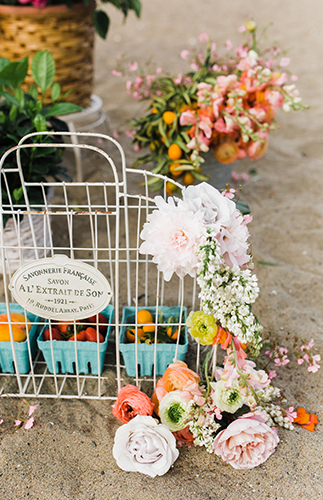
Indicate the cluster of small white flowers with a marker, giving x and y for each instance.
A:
(291, 98)
(204, 435)
(227, 293)
(269, 393)
(276, 416)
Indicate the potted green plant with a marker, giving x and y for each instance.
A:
(66, 28)
(22, 113)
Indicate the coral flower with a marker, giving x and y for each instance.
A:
(306, 420)
(131, 402)
(184, 436)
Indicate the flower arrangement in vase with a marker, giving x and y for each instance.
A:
(223, 103)
(230, 408)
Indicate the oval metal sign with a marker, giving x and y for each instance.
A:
(60, 288)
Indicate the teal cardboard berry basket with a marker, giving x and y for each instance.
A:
(165, 352)
(7, 364)
(87, 352)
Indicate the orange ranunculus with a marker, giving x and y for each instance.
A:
(226, 152)
(131, 402)
(177, 375)
(306, 420)
(184, 436)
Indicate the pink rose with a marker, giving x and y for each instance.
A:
(246, 442)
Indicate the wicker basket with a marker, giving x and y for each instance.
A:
(67, 33)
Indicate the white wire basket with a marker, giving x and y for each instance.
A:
(97, 223)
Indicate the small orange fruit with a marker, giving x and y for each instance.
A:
(144, 316)
(175, 152)
(170, 335)
(170, 188)
(19, 327)
(149, 328)
(154, 110)
(131, 335)
(169, 117)
(188, 178)
(173, 169)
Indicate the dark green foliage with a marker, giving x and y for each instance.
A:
(23, 113)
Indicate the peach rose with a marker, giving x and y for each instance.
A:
(246, 442)
(175, 377)
(131, 402)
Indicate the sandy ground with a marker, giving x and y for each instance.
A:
(68, 453)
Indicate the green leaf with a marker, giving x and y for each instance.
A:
(13, 113)
(33, 91)
(43, 69)
(136, 6)
(116, 3)
(4, 62)
(17, 193)
(153, 180)
(265, 263)
(243, 207)
(2, 117)
(56, 91)
(13, 74)
(62, 108)
(20, 96)
(200, 177)
(101, 22)
(40, 123)
(11, 98)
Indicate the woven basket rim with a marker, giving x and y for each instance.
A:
(52, 9)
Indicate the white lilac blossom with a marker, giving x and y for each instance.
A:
(172, 235)
(143, 445)
(174, 411)
(276, 415)
(228, 399)
(204, 431)
(227, 293)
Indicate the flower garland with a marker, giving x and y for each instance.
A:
(233, 410)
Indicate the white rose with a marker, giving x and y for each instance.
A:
(143, 445)
(216, 209)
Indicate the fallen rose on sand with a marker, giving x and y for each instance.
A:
(246, 442)
(143, 445)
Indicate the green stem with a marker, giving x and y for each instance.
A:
(242, 375)
(208, 387)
